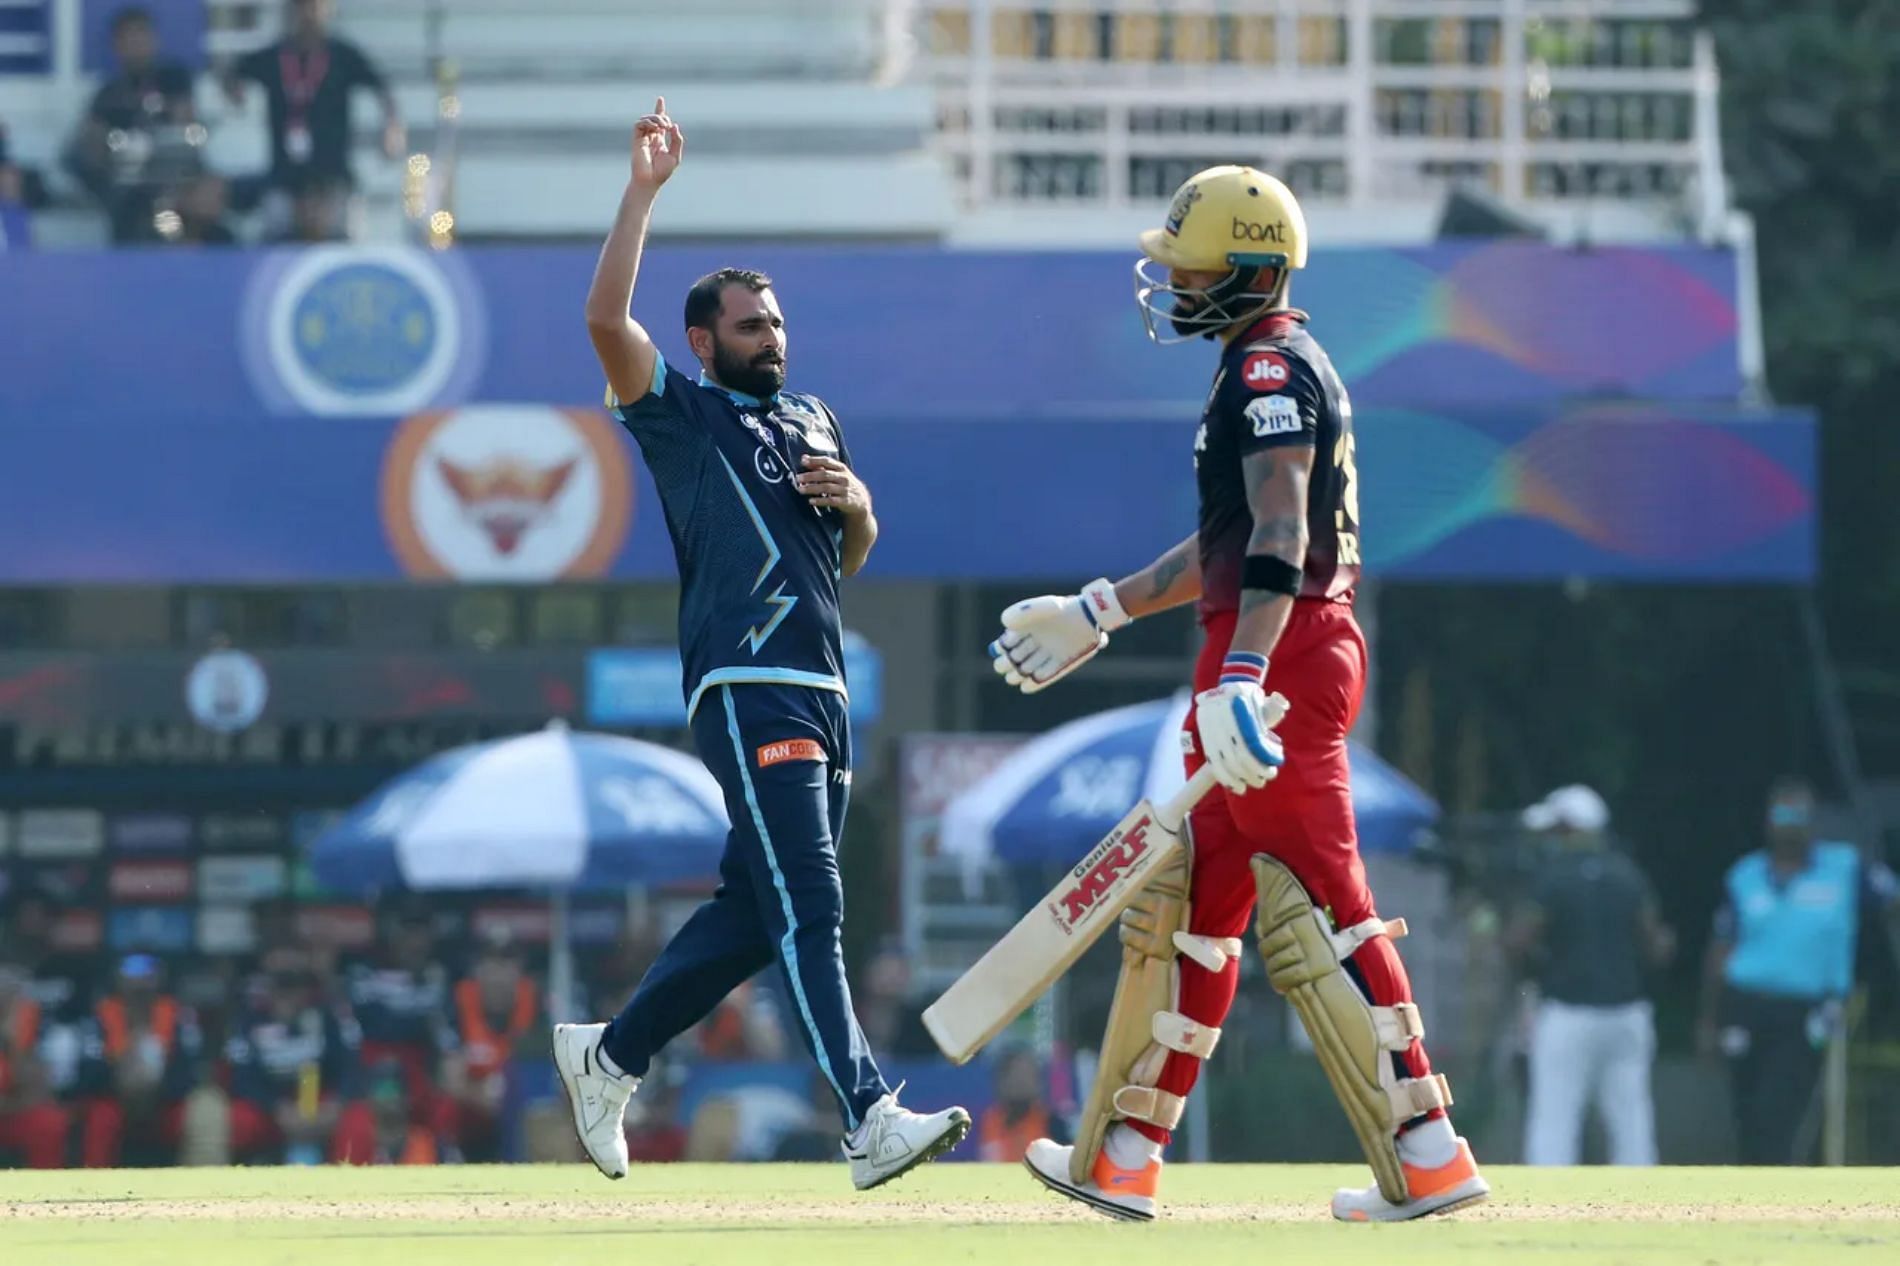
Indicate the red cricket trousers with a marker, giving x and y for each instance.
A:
(38, 1134)
(1303, 818)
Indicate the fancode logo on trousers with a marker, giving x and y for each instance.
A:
(790, 749)
(1098, 874)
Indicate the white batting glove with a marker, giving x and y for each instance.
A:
(1236, 720)
(1045, 639)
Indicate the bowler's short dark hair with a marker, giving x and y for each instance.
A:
(703, 302)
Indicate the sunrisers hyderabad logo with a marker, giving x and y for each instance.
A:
(1099, 874)
(506, 492)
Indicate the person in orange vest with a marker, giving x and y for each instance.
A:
(32, 1124)
(1021, 1113)
(497, 1012)
(140, 1057)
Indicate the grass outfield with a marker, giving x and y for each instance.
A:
(992, 1215)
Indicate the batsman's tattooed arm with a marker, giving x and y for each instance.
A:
(1169, 581)
(1276, 482)
(1168, 570)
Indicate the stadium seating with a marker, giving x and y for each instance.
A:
(1012, 123)
(792, 127)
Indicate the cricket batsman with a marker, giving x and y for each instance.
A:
(1273, 565)
(767, 517)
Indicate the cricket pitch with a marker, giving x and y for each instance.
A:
(993, 1215)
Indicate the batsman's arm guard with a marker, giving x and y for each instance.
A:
(1143, 1026)
(1355, 1040)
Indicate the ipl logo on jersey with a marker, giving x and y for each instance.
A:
(344, 330)
(506, 492)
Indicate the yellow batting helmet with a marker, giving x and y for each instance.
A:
(1235, 220)
(1230, 215)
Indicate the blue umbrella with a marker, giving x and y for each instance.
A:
(555, 809)
(1054, 799)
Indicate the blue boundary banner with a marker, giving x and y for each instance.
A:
(1630, 492)
(342, 415)
(899, 332)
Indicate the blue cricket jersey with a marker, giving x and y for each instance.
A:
(759, 564)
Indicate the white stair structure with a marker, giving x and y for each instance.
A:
(1071, 121)
(1025, 123)
(797, 124)
(794, 128)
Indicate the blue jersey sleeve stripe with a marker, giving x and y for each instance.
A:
(658, 387)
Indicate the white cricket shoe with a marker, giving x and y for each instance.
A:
(1128, 1194)
(1453, 1185)
(597, 1097)
(890, 1142)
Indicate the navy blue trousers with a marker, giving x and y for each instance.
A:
(783, 756)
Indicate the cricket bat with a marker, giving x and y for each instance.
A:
(1046, 942)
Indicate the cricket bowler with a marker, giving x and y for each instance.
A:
(766, 517)
(1272, 565)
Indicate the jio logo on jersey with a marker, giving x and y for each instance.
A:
(1265, 371)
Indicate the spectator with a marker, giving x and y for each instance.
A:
(141, 1058)
(140, 136)
(401, 1002)
(32, 1124)
(198, 211)
(319, 210)
(1020, 1113)
(296, 1072)
(498, 1017)
(308, 77)
(890, 1012)
(15, 228)
(12, 187)
(1780, 965)
(1587, 933)
(398, 1140)
(60, 982)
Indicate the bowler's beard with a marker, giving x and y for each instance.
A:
(762, 376)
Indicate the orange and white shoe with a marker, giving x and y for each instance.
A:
(1453, 1185)
(1128, 1194)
